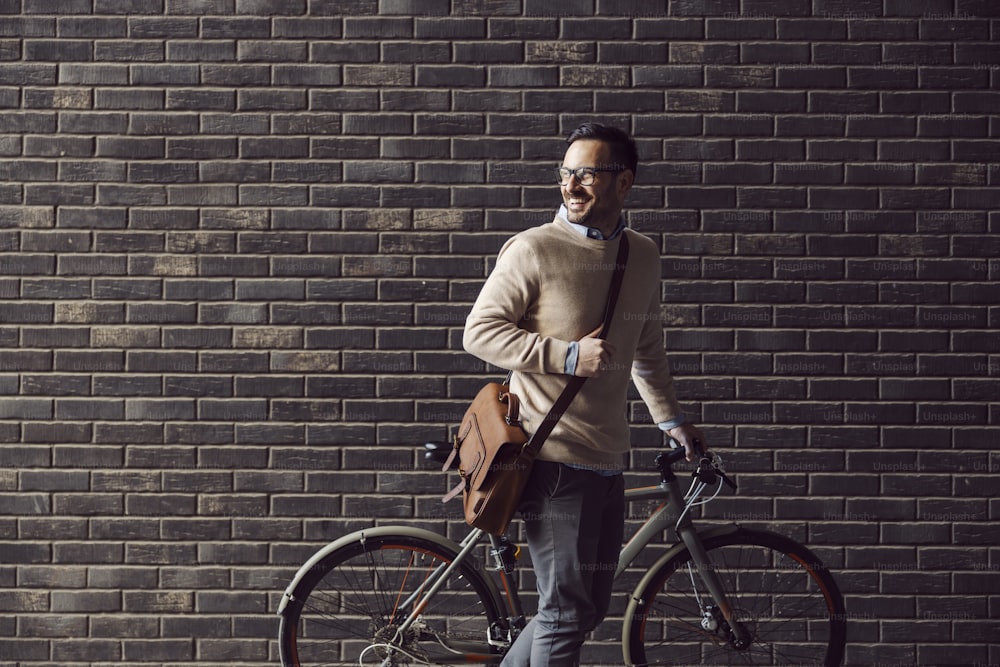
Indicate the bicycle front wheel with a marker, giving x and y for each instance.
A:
(784, 601)
(352, 607)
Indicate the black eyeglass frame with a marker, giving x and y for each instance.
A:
(584, 175)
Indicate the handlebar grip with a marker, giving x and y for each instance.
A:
(676, 454)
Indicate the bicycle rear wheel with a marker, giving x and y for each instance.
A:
(348, 609)
(781, 594)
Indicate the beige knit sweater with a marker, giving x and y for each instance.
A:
(550, 287)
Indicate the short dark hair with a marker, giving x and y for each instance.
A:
(623, 150)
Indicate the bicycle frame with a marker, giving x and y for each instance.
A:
(668, 491)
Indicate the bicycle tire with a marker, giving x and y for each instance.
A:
(779, 590)
(345, 609)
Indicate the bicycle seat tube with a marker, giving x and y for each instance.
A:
(505, 570)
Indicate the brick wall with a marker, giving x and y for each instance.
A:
(238, 239)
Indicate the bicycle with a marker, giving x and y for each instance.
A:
(398, 595)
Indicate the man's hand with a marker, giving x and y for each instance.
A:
(692, 439)
(594, 352)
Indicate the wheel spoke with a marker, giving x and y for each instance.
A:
(350, 609)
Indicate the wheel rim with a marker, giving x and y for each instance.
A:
(783, 602)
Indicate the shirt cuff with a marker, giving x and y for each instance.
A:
(572, 353)
(673, 423)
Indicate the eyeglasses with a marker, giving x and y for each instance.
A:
(584, 175)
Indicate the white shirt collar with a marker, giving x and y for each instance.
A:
(591, 232)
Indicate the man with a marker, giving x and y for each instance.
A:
(539, 315)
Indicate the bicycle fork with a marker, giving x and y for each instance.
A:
(740, 636)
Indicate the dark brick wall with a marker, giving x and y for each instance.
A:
(238, 239)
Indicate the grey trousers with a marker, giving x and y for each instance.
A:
(574, 522)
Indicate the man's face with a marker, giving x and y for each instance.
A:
(599, 204)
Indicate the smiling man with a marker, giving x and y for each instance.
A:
(538, 315)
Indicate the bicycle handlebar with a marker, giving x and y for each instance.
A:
(707, 471)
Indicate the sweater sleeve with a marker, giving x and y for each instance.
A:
(651, 370)
(497, 330)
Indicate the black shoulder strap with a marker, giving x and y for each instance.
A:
(575, 382)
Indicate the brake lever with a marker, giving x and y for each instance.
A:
(708, 472)
(726, 479)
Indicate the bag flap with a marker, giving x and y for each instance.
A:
(485, 439)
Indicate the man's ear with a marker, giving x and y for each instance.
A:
(625, 180)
